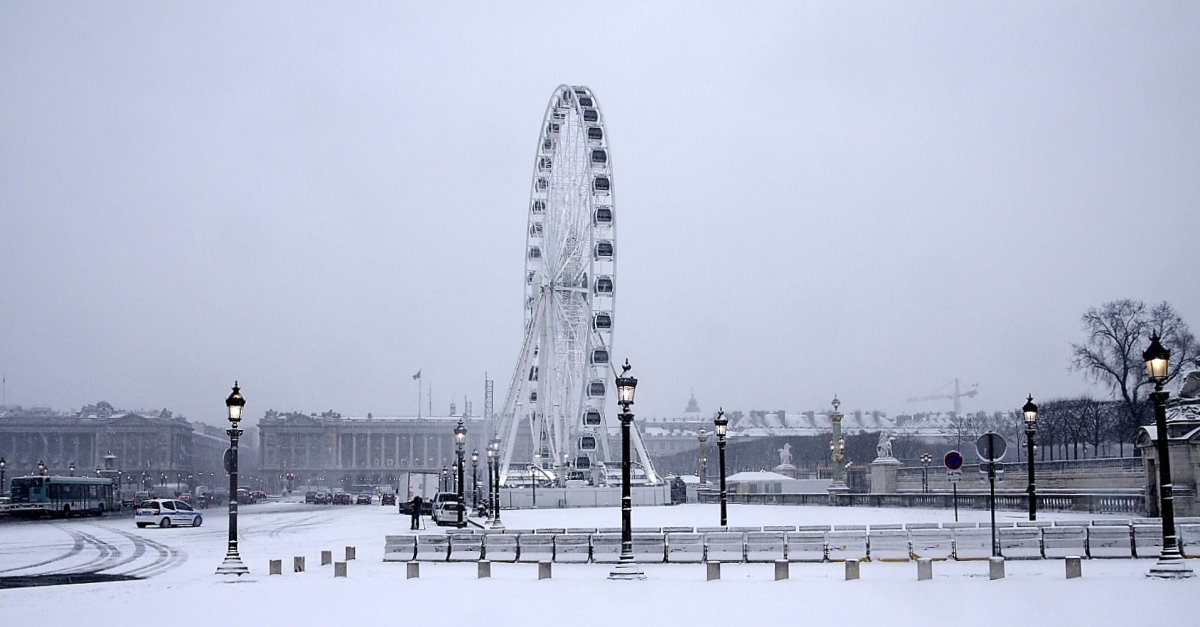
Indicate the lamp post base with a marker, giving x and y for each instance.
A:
(496, 524)
(626, 569)
(1171, 567)
(232, 566)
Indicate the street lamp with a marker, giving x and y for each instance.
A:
(926, 459)
(460, 442)
(71, 469)
(3, 465)
(703, 437)
(626, 568)
(445, 478)
(233, 562)
(490, 455)
(721, 426)
(495, 452)
(1170, 561)
(837, 447)
(475, 478)
(1030, 411)
(41, 468)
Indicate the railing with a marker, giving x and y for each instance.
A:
(1080, 502)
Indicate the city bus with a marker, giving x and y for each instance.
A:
(60, 496)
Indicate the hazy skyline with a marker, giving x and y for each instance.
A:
(320, 200)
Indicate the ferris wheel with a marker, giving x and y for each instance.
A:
(554, 425)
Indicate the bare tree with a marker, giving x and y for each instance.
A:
(1118, 332)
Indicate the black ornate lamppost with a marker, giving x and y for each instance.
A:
(626, 568)
(475, 478)
(3, 465)
(1171, 564)
(490, 511)
(232, 565)
(926, 459)
(721, 426)
(495, 447)
(445, 479)
(1030, 411)
(703, 437)
(460, 442)
(41, 468)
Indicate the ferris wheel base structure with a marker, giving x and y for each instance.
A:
(558, 421)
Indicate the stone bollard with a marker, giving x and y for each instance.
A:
(414, 570)
(298, 564)
(781, 570)
(485, 569)
(276, 567)
(996, 568)
(1074, 567)
(349, 553)
(339, 569)
(326, 557)
(851, 570)
(924, 569)
(543, 570)
(714, 570)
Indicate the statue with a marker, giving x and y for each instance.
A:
(1185, 405)
(785, 455)
(884, 448)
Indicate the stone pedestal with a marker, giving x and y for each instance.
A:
(1183, 445)
(786, 470)
(883, 475)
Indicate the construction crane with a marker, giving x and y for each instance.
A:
(955, 396)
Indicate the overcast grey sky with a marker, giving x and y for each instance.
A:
(321, 199)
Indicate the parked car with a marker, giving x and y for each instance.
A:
(387, 498)
(405, 507)
(448, 512)
(311, 497)
(362, 499)
(166, 513)
(342, 498)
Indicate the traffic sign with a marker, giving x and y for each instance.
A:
(228, 460)
(954, 460)
(953, 476)
(991, 447)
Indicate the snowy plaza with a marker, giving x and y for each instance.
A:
(178, 567)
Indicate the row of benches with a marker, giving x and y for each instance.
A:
(965, 543)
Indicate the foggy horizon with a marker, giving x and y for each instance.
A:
(319, 201)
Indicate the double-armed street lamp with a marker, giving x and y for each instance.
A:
(232, 565)
(703, 437)
(721, 426)
(626, 568)
(1030, 411)
(926, 459)
(1171, 564)
(460, 443)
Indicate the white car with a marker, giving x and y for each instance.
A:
(447, 513)
(165, 513)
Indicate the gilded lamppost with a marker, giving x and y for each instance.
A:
(1170, 564)
(460, 442)
(233, 562)
(837, 447)
(721, 426)
(1030, 411)
(626, 568)
(475, 478)
(495, 446)
(703, 437)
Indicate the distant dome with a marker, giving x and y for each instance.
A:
(692, 407)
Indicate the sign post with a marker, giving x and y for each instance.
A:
(991, 447)
(954, 462)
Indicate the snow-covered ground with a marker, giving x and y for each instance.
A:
(179, 584)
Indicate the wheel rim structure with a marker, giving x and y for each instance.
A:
(555, 419)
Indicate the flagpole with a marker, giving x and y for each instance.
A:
(418, 395)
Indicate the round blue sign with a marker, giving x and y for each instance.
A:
(954, 460)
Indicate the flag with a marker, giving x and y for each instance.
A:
(418, 375)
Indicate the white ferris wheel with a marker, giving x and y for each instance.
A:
(554, 425)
